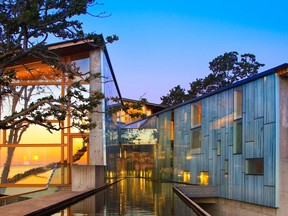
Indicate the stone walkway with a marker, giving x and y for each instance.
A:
(46, 204)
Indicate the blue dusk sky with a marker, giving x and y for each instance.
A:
(163, 44)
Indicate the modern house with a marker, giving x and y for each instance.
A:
(147, 109)
(35, 150)
(233, 141)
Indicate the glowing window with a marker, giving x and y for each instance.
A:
(204, 178)
(237, 127)
(196, 115)
(186, 176)
(238, 104)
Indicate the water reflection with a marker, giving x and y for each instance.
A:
(133, 196)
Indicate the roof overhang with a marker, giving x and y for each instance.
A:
(283, 72)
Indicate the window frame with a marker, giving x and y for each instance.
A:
(196, 122)
(237, 121)
(250, 170)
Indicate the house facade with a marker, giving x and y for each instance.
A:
(36, 151)
(233, 139)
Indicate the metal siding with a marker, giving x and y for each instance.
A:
(258, 150)
(259, 132)
(269, 99)
(237, 176)
(259, 192)
(248, 113)
(205, 153)
(258, 98)
(269, 198)
(269, 154)
(249, 149)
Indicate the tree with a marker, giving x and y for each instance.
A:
(226, 69)
(25, 27)
(176, 95)
(229, 69)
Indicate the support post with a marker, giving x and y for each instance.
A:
(92, 175)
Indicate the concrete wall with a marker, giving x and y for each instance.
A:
(225, 207)
(92, 176)
(96, 145)
(283, 169)
(87, 177)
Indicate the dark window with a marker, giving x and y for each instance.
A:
(254, 166)
(218, 144)
(196, 138)
(237, 136)
(226, 166)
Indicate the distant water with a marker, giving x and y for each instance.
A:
(41, 178)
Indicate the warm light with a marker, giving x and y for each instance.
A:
(204, 178)
(186, 176)
(180, 173)
(35, 157)
(25, 157)
(188, 157)
(111, 174)
(125, 154)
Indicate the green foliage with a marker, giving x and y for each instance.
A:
(175, 96)
(25, 26)
(226, 69)
(229, 68)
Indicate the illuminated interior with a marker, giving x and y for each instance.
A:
(36, 150)
(204, 178)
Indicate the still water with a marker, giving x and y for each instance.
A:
(132, 196)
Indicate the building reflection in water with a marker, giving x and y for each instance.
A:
(132, 196)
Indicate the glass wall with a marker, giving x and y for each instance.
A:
(29, 152)
(114, 154)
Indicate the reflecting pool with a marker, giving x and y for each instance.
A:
(132, 196)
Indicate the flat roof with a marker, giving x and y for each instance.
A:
(281, 69)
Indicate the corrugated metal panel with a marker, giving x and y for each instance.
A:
(269, 154)
(248, 113)
(258, 148)
(269, 196)
(258, 98)
(269, 99)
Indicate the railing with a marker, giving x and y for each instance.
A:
(9, 199)
(197, 209)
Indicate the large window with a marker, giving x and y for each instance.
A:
(196, 119)
(237, 126)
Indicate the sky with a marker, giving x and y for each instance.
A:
(165, 43)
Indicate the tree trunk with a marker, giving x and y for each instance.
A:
(7, 165)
